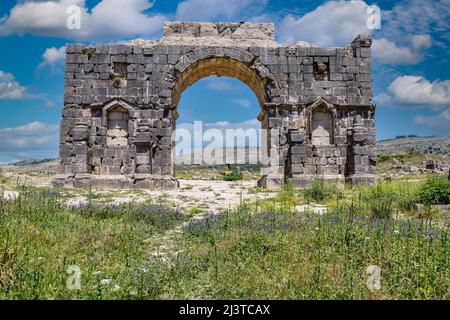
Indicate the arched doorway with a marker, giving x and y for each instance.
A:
(243, 67)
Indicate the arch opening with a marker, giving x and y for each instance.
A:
(220, 66)
(217, 104)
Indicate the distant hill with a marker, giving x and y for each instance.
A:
(427, 145)
(30, 162)
(410, 143)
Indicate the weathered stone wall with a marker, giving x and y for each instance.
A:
(141, 84)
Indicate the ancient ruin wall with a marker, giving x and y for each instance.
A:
(120, 104)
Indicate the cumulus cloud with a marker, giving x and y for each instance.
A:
(53, 58)
(333, 24)
(416, 91)
(10, 89)
(386, 51)
(337, 23)
(35, 140)
(438, 123)
(109, 19)
(206, 10)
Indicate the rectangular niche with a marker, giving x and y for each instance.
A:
(117, 127)
(322, 128)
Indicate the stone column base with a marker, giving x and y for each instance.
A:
(138, 181)
(271, 182)
(363, 178)
(304, 180)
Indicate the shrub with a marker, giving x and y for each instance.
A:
(233, 176)
(434, 191)
(384, 157)
(3, 179)
(320, 191)
(379, 200)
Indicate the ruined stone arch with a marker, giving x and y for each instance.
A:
(321, 122)
(230, 62)
(297, 85)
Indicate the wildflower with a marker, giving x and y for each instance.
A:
(116, 288)
(105, 281)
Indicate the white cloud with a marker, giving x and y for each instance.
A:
(337, 23)
(206, 10)
(333, 24)
(417, 17)
(109, 19)
(415, 91)
(222, 84)
(244, 103)
(32, 140)
(53, 58)
(386, 51)
(421, 41)
(10, 89)
(438, 123)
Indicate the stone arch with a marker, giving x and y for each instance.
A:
(321, 117)
(230, 62)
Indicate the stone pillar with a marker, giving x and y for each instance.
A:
(363, 153)
(274, 160)
(80, 166)
(154, 161)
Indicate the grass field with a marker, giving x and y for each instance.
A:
(262, 250)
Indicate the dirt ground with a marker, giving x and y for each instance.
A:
(207, 196)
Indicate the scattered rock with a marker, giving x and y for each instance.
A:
(413, 169)
(430, 165)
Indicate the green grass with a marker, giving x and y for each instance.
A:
(283, 255)
(233, 176)
(40, 239)
(400, 156)
(262, 250)
(3, 180)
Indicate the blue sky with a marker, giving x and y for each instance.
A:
(410, 69)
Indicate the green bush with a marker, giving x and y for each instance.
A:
(434, 191)
(384, 157)
(320, 191)
(233, 176)
(379, 200)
